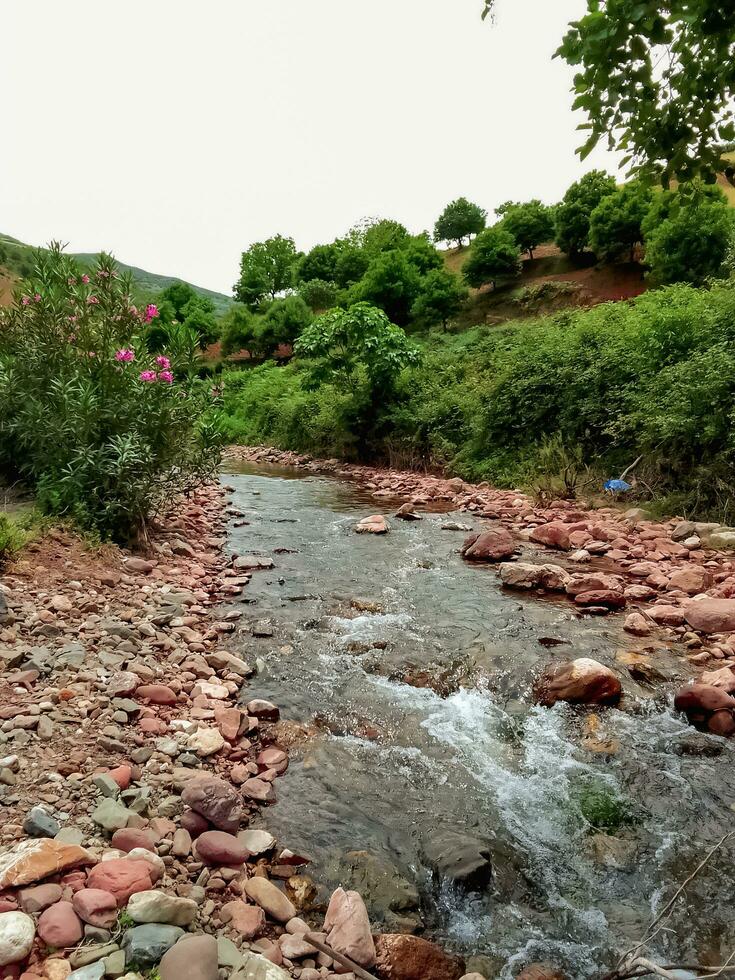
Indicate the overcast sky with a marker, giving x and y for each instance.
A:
(176, 132)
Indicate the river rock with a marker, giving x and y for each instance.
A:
(459, 859)
(217, 847)
(205, 742)
(158, 906)
(406, 512)
(17, 933)
(553, 535)
(257, 842)
(39, 898)
(348, 927)
(122, 877)
(111, 815)
(40, 823)
(60, 926)
(711, 615)
(193, 958)
(247, 920)
(581, 681)
(375, 524)
(271, 898)
(263, 710)
(216, 801)
(524, 575)
(492, 545)
(146, 945)
(131, 837)
(255, 967)
(33, 860)
(95, 907)
(157, 694)
(724, 678)
(411, 958)
(636, 624)
(707, 708)
(601, 597)
(691, 579)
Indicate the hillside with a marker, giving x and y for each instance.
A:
(16, 258)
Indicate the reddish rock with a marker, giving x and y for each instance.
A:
(33, 860)
(348, 927)
(666, 615)
(492, 545)
(402, 957)
(229, 722)
(96, 907)
(697, 699)
(711, 615)
(524, 575)
(156, 694)
(122, 877)
(39, 898)
(122, 776)
(582, 681)
(722, 723)
(259, 790)
(194, 823)
(130, 837)
(247, 920)
(691, 579)
(153, 726)
(636, 624)
(263, 710)
(59, 926)
(724, 679)
(601, 597)
(582, 582)
(217, 847)
(553, 535)
(215, 800)
(192, 958)
(273, 758)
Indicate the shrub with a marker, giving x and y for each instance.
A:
(105, 432)
(692, 242)
(12, 538)
(494, 256)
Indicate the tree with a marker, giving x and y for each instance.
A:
(573, 214)
(531, 223)
(615, 224)
(421, 254)
(284, 321)
(176, 297)
(318, 295)
(440, 298)
(198, 315)
(351, 266)
(344, 344)
(383, 235)
(319, 263)
(266, 269)
(656, 81)
(691, 244)
(392, 283)
(494, 256)
(238, 329)
(459, 220)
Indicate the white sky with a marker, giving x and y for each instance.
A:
(176, 132)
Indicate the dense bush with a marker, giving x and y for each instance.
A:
(104, 431)
(12, 538)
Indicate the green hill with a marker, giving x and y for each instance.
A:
(16, 261)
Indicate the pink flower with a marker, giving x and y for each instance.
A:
(85, 279)
(92, 300)
(167, 376)
(125, 355)
(25, 301)
(150, 311)
(163, 362)
(147, 375)
(37, 298)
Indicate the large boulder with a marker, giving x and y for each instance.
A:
(492, 545)
(708, 708)
(215, 800)
(711, 615)
(555, 534)
(348, 927)
(459, 859)
(33, 860)
(402, 957)
(691, 579)
(524, 575)
(581, 681)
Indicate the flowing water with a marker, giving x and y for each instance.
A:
(465, 759)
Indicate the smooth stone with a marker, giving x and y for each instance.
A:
(157, 906)
(193, 957)
(271, 898)
(111, 815)
(146, 945)
(17, 932)
(59, 926)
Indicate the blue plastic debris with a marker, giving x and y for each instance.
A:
(617, 486)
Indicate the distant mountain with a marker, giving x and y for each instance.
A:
(16, 258)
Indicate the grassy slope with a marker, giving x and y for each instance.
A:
(147, 283)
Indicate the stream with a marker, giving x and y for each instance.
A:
(413, 668)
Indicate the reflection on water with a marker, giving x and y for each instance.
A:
(397, 764)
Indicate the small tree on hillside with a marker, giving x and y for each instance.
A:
(391, 283)
(319, 263)
(440, 298)
(238, 330)
(574, 212)
(692, 244)
(318, 295)
(383, 235)
(351, 266)
(615, 224)
(494, 256)
(266, 269)
(284, 322)
(459, 220)
(531, 223)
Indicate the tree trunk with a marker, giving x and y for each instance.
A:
(530, 252)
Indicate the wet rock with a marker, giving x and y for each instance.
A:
(636, 624)
(379, 882)
(271, 898)
(491, 545)
(460, 859)
(257, 842)
(264, 710)
(122, 877)
(553, 535)
(711, 615)
(217, 847)
(540, 971)
(17, 933)
(375, 524)
(581, 681)
(146, 945)
(157, 906)
(410, 958)
(601, 597)
(524, 575)
(252, 563)
(32, 860)
(707, 708)
(40, 823)
(699, 744)
(59, 926)
(216, 801)
(193, 957)
(407, 513)
(348, 927)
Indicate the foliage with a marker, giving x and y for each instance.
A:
(104, 432)
(530, 223)
(440, 298)
(12, 538)
(284, 321)
(383, 235)
(459, 220)
(494, 256)
(351, 266)
(421, 254)
(179, 303)
(603, 808)
(615, 224)
(392, 283)
(319, 263)
(266, 269)
(238, 327)
(692, 242)
(318, 294)
(574, 213)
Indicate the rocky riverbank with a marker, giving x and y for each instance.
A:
(135, 763)
(669, 579)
